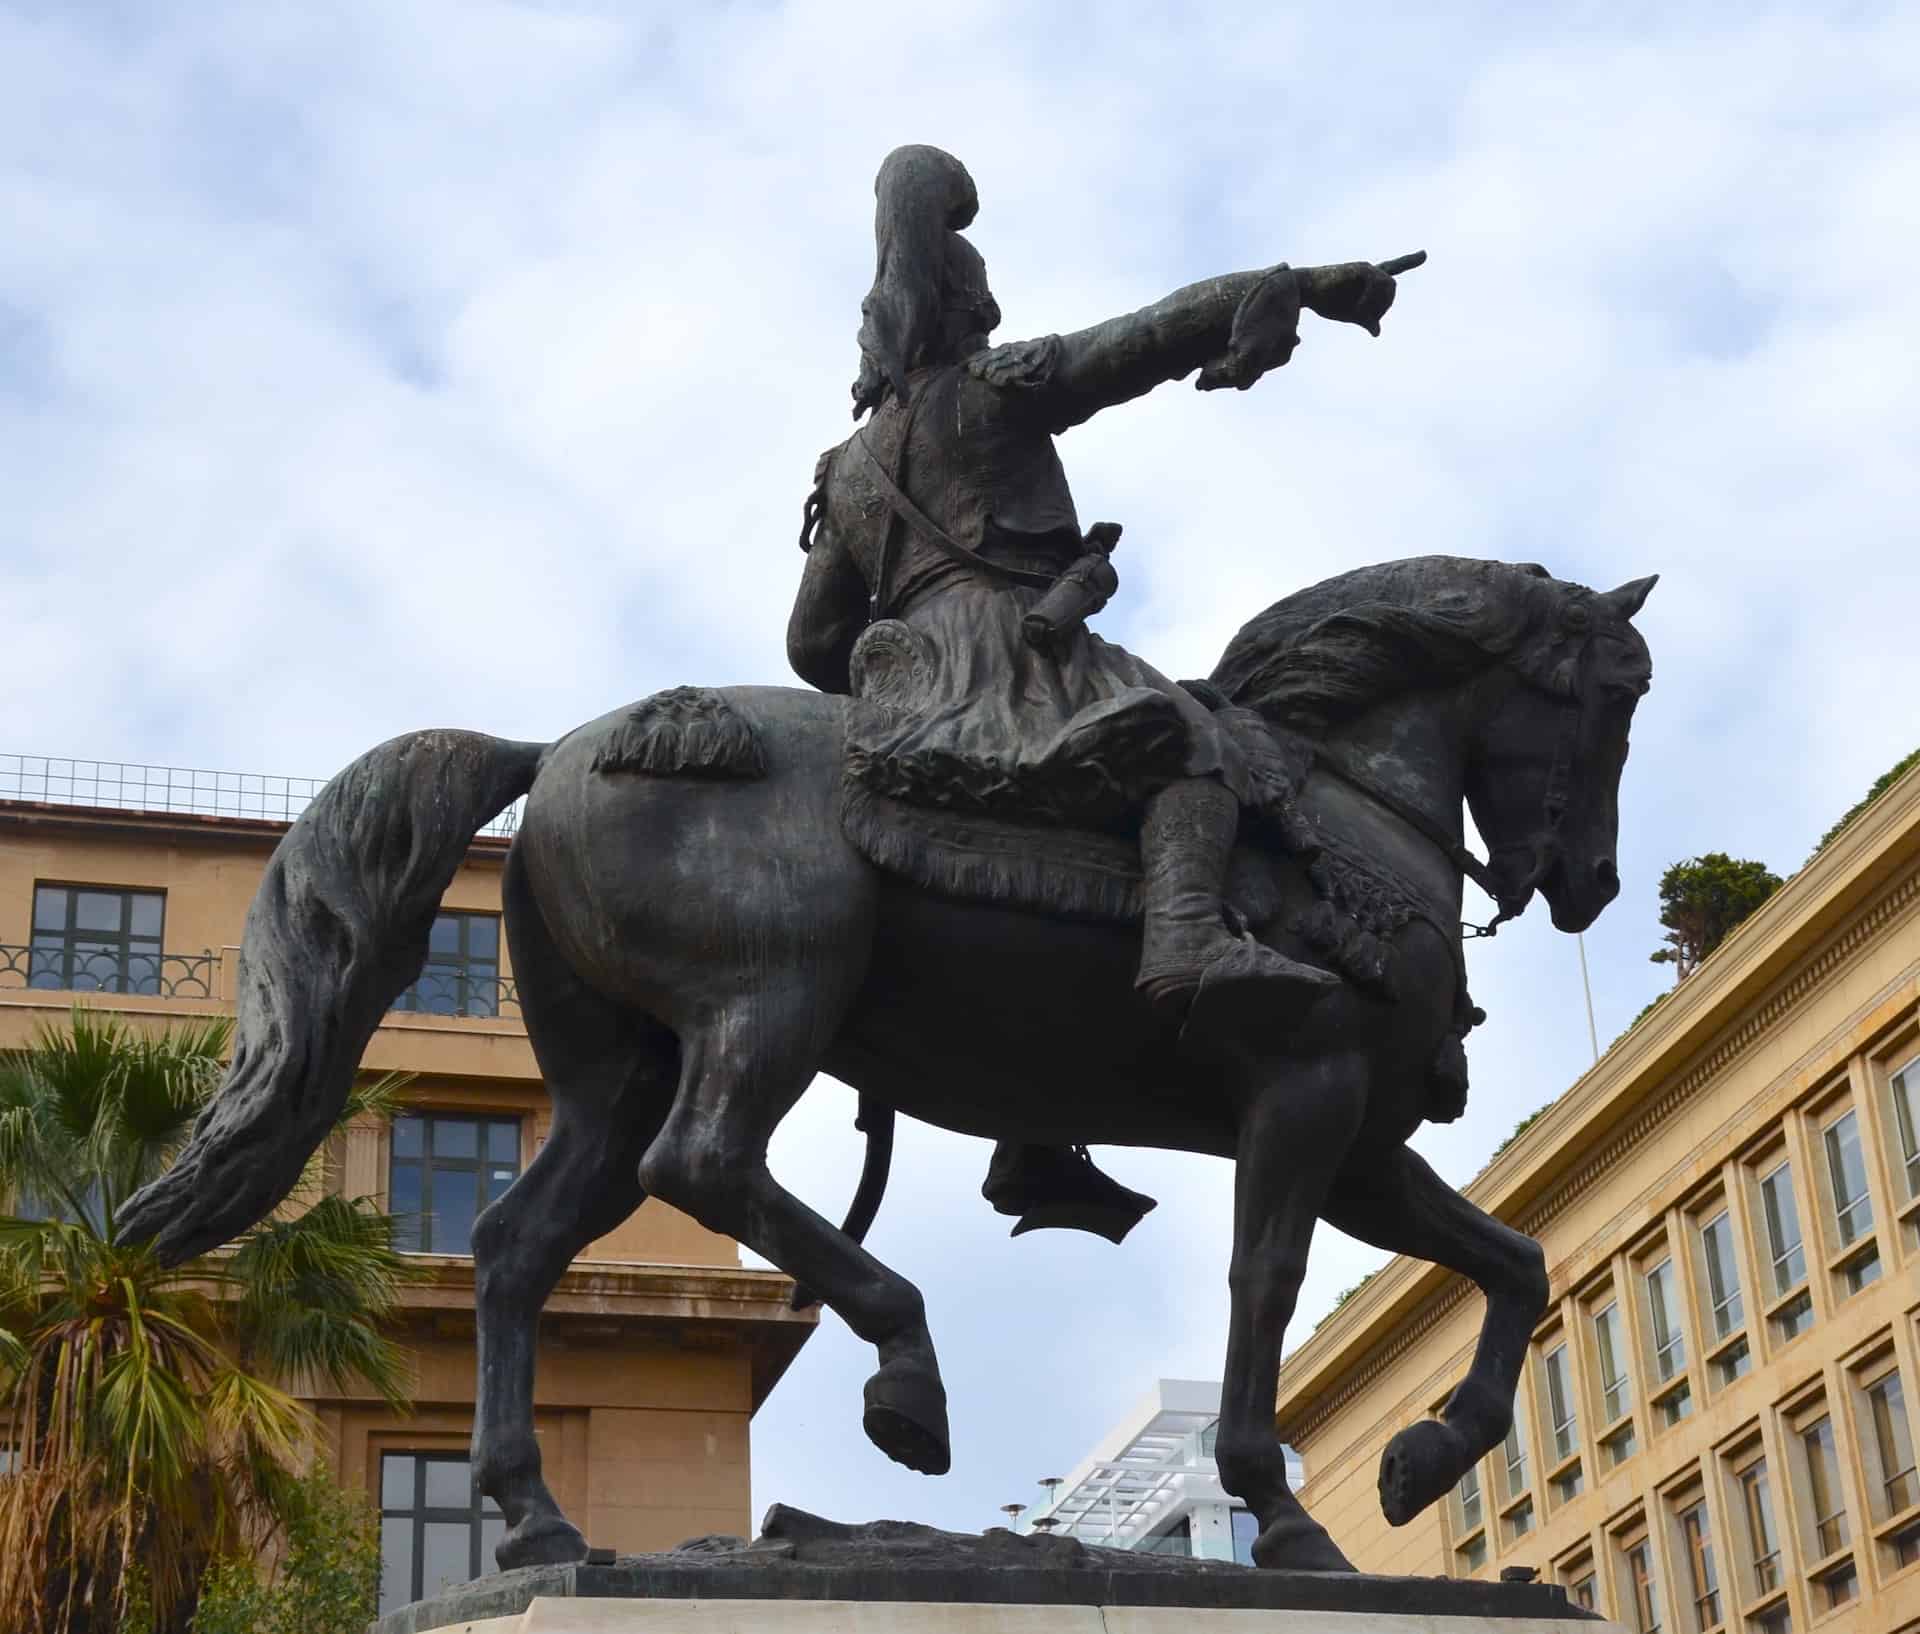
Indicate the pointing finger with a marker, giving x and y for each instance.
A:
(1403, 263)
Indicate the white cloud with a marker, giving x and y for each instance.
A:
(381, 366)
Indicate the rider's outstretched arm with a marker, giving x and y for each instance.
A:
(1126, 357)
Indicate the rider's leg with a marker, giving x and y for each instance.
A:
(1186, 843)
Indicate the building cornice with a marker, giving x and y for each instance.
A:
(1813, 927)
(617, 1301)
(243, 833)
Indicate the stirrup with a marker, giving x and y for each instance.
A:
(1069, 1194)
(1250, 988)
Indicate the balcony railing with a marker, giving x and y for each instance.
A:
(63, 970)
(460, 993)
(196, 976)
(120, 785)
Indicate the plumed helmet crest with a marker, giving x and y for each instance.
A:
(922, 198)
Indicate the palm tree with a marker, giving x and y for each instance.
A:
(150, 1408)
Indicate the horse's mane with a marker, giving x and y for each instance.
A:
(1333, 651)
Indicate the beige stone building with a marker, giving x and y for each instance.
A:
(127, 887)
(1717, 1423)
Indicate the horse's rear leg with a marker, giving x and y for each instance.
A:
(740, 1075)
(610, 1073)
(1293, 1137)
(1395, 1201)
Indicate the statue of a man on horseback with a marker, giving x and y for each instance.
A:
(983, 819)
(949, 513)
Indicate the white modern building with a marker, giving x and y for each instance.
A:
(1150, 1483)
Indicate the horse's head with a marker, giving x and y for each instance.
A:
(1544, 780)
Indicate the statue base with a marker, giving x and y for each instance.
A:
(805, 1575)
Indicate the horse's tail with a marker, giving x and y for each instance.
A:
(337, 931)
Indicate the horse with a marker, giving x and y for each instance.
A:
(695, 937)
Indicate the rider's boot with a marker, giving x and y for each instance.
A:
(1191, 965)
(1059, 1186)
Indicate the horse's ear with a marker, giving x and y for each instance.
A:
(1631, 596)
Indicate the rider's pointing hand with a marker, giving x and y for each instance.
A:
(1356, 291)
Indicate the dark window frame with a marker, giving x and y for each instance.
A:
(479, 1511)
(472, 983)
(414, 1233)
(122, 946)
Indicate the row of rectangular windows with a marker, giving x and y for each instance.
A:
(105, 939)
(1813, 1497)
(1761, 1188)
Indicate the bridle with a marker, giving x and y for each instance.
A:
(1543, 842)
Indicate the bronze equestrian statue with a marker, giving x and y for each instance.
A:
(986, 820)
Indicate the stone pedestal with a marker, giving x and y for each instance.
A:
(809, 1576)
(552, 1616)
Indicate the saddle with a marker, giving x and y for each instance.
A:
(1089, 874)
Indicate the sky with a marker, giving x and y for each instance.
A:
(370, 367)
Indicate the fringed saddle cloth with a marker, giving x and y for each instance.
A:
(1083, 874)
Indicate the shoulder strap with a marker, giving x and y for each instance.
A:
(930, 530)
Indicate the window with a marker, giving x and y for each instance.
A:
(1892, 1443)
(1723, 1274)
(1246, 1528)
(1620, 1446)
(1581, 1592)
(1735, 1362)
(1862, 1270)
(1519, 1520)
(1774, 1620)
(1823, 1487)
(1783, 1229)
(1609, 1347)
(1840, 1585)
(1645, 1592)
(1516, 1455)
(1663, 1312)
(1568, 1485)
(462, 973)
(436, 1530)
(1676, 1405)
(94, 939)
(1468, 1497)
(1847, 1169)
(1560, 1408)
(1472, 1555)
(445, 1170)
(1905, 1546)
(1795, 1317)
(1696, 1532)
(1906, 1121)
(1763, 1538)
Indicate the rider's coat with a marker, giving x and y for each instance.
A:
(1084, 733)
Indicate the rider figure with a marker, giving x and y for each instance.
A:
(950, 512)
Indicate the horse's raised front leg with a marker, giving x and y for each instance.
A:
(610, 1073)
(1294, 1136)
(1395, 1201)
(740, 1075)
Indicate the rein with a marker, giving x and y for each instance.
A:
(1545, 842)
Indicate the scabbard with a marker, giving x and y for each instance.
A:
(1079, 593)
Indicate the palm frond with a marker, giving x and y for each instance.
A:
(314, 1290)
(377, 1097)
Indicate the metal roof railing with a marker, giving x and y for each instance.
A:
(120, 785)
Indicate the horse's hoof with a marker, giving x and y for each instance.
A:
(1420, 1463)
(1298, 1544)
(541, 1540)
(906, 1418)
